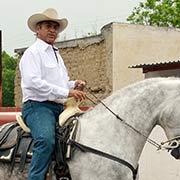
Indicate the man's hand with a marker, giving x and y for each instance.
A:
(79, 84)
(78, 95)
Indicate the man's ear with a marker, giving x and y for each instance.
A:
(37, 28)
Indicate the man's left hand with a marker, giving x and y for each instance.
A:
(79, 84)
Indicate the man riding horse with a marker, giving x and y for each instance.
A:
(45, 85)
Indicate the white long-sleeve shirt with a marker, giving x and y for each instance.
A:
(43, 77)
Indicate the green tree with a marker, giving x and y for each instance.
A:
(8, 75)
(164, 13)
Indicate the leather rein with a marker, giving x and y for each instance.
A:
(172, 143)
(84, 148)
(152, 142)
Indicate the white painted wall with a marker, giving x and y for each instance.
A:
(136, 44)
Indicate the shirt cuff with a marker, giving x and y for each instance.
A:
(71, 84)
(60, 92)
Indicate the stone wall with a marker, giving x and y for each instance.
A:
(86, 59)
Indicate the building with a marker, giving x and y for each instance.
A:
(165, 69)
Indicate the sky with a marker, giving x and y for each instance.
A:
(83, 16)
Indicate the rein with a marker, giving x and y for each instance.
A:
(172, 143)
(83, 148)
(152, 142)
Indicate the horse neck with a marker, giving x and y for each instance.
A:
(135, 105)
(105, 132)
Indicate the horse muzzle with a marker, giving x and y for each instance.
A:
(176, 152)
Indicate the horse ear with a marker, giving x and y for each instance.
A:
(176, 152)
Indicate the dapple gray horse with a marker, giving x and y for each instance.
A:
(142, 105)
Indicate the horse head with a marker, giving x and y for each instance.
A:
(169, 119)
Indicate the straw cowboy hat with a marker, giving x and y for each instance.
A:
(49, 14)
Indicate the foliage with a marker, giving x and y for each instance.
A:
(164, 13)
(8, 75)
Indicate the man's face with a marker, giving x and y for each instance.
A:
(47, 31)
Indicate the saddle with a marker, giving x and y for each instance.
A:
(72, 109)
(16, 142)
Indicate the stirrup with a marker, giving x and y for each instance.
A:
(21, 123)
(63, 178)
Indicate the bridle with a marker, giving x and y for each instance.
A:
(152, 142)
(172, 143)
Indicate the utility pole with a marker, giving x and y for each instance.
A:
(0, 68)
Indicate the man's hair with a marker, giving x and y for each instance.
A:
(39, 23)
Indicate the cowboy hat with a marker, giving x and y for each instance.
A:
(49, 14)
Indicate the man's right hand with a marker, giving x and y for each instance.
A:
(78, 95)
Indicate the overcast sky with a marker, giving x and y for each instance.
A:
(84, 17)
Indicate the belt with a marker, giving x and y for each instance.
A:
(49, 102)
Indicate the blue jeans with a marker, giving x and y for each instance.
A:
(41, 118)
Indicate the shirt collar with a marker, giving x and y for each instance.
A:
(45, 45)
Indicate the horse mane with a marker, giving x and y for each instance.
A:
(143, 93)
(143, 85)
(168, 109)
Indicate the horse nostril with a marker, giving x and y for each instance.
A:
(176, 153)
